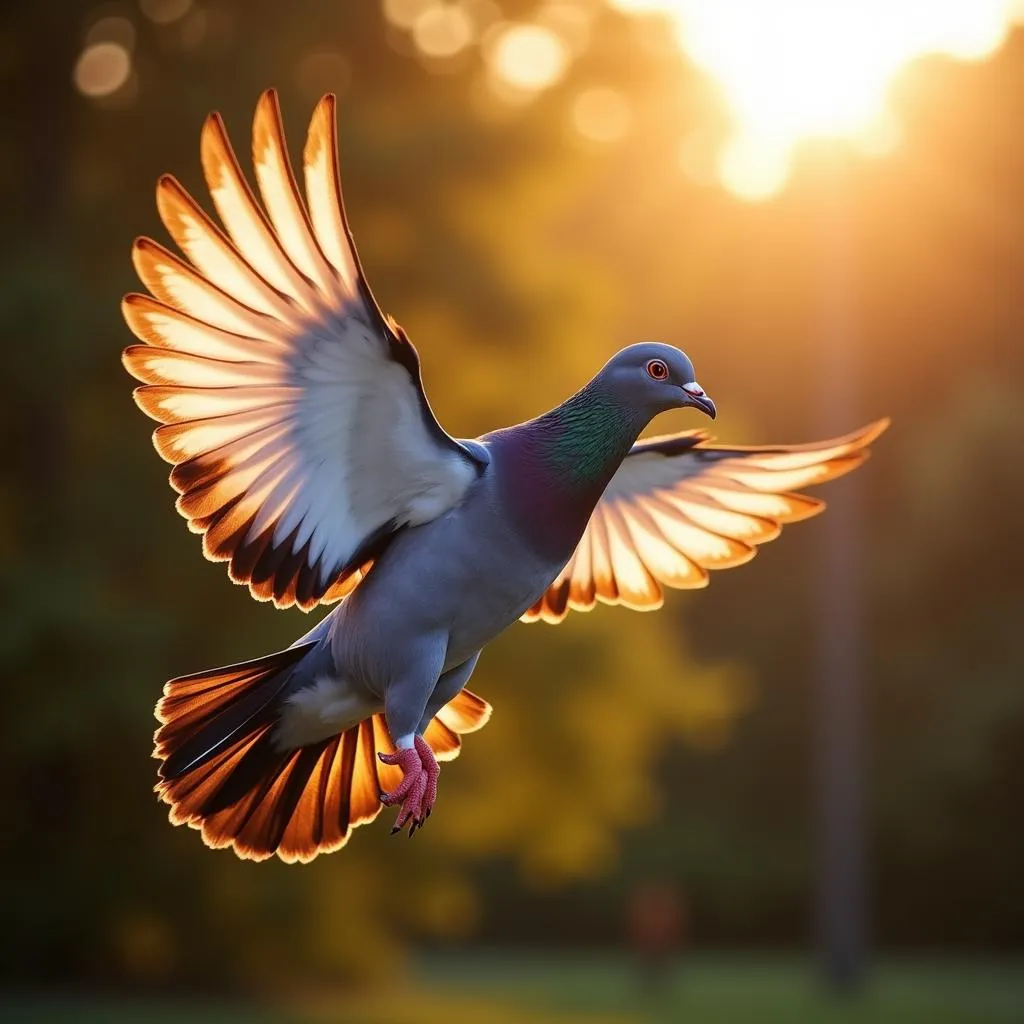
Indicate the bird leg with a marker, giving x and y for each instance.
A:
(418, 789)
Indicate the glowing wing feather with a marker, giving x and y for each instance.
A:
(291, 408)
(679, 506)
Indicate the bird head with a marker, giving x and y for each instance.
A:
(656, 377)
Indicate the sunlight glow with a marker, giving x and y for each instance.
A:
(569, 21)
(102, 69)
(442, 30)
(601, 115)
(753, 166)
(403, 13)
(796, 69)
(528, 58)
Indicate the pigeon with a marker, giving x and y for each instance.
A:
(307, 456)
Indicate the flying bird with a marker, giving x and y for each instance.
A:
(306, 454)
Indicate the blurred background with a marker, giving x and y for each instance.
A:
(824, 204)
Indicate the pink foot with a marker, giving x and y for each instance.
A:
(418, 789)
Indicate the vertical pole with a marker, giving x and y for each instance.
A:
(840, 813)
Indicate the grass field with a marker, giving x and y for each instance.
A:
(514, 990)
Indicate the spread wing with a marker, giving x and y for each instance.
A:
(679, 506)
(292, 410)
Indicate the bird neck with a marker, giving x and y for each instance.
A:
(582, 441)
(560, 464)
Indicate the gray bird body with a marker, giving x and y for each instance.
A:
(442, 591)
(306, 454)
(438, 595)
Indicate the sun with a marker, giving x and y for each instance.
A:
(796, 69)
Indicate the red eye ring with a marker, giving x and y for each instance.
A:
(657, 369)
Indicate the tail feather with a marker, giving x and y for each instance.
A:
(466, 712)
(367, 785)
(202, 711)
(443, 741)
(221, 772)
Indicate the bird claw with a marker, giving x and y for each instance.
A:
(418, 789)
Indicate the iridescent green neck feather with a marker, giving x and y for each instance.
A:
(586, 437)
(556, 467)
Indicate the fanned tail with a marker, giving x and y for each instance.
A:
(222, 773)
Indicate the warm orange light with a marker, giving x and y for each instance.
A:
(442, 30)
(403, 13)
(601, 114)
(794, 69)
(753, 167)
(528, 58)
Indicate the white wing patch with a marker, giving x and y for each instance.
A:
(679, 506)
(291, 409)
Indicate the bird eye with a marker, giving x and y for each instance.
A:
(657, 369)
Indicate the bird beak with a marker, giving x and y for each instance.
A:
(693, 395)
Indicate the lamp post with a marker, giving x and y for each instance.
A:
(841, 892)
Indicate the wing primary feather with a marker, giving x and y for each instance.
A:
(323, 192)
(581, 594)
(246, 223)
(605, 586)
(667, 561)
(214, 255)
(176, 283)
(638, 589)
(163, 326)
(165, 366)
(281, 195)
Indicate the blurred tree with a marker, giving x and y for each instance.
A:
(951, 741)
(518, 255)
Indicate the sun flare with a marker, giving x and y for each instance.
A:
(796, 69)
